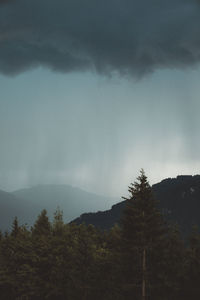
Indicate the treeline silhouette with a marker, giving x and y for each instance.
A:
(143, 258)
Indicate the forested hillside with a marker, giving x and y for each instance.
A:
(145, 258)
(178, 198)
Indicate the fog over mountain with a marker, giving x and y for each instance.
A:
(27, 204)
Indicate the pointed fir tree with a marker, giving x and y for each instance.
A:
(15, 228)
(41, 237)
(58, 225)
(143, 232)
(42, 225)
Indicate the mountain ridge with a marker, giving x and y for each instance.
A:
(27, 203)
(179, 201)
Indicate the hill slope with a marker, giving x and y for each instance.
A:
(179, 200)
(26, 204)
(11, 206)
(73, 201)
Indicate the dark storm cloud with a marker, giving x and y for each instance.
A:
(5, 1)
(128, 36)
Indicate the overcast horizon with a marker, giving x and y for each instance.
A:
(92, 92)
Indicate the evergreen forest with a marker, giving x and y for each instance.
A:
(142, 258)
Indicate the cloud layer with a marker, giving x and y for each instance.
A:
(131, 37)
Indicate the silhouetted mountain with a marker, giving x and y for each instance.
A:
(179, 200)
(26, 204)
(11, 206)
(73, 201)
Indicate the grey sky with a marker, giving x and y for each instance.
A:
(102, 114)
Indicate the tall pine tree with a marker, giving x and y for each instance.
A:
(143, 232)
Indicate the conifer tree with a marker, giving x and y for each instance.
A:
(15, 227)
(42, 225)
(192, 282)
(143, 232)
(58, 223)
(41, 235)
(173, 264)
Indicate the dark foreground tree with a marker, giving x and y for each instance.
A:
(191, 286)
(143, 243)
